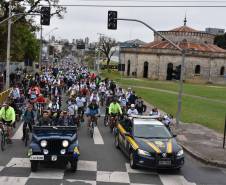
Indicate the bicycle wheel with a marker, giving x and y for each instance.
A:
(91, 130)
(2, 141)
(26, 137)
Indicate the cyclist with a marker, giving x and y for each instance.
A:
(93, 110)
(81, 103)
(132, 110)
(123, 102)
(8, 116)
(72, 110)
(94, 96)
(29, 119)
(115, 108)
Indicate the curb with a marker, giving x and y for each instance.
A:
(200, 158)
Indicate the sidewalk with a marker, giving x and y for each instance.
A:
(202, 143)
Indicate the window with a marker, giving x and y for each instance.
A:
(222, 71)
(197, 69)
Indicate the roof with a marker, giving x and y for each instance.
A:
(140, 121)
(185, 45)
(184, 29)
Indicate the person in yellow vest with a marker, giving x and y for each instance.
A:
(8, 116)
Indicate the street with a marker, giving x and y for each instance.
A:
(100, 163)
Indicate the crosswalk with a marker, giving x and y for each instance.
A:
(16, 173)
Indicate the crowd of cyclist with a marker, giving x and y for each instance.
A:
(62, 95)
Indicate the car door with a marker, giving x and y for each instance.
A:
(122, 138)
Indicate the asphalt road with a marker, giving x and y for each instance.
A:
(100, 163)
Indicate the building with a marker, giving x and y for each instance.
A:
(159, 60)
(215, 31)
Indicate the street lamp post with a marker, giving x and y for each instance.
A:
(183, 53)
(8, 47)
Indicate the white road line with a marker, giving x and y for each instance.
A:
(120, 177)
(19, 132)
(13, 180)
(174, 180)
(98, 140)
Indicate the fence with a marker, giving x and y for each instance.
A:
(4, 95)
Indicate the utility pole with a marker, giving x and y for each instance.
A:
(98, 61)
(40, 52)
(8, 47)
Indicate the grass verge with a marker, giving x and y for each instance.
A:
(194, 110)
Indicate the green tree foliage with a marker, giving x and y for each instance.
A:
(24, 44)
(220, 40)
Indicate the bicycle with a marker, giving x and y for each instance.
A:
(26, 138)
(3, 135)
(92, 124)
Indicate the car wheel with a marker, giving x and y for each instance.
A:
(34, 166)
(132, 161)
(74, 165)
(117, 141)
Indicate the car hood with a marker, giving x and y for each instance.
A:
(55, 135)
(157, 145)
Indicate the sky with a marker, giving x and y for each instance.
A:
(81, 22)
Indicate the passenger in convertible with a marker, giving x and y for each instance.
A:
(64, 120)
(45, 120)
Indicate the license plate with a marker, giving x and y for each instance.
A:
(164, 162)
(37, 158)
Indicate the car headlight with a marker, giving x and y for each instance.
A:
(143, 152)
(65, 143)
(180, 153)
(43, 143)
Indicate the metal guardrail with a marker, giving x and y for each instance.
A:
(4, 95)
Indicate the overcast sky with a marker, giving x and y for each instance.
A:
(81, 22)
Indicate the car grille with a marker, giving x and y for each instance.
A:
(54, 146)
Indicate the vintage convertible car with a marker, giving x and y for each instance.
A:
(148, 143)
(54, 144)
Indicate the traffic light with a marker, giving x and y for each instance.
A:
(112, 20)
(45, 15)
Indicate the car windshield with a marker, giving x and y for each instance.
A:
(151, 131)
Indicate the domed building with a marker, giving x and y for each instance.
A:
(159, 60)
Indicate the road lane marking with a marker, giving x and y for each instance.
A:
(98, 140)
(5, 180)
(174, 180)
(19, 132)
(87, 165)
(117, 177)
(81, 181)
(19, 162)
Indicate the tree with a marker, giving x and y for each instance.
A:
(220, 40)
(106, 47)
(24, 44)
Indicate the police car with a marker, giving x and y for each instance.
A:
(148, 143)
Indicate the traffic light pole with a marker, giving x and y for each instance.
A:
(183, 52)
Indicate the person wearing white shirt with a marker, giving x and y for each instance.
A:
(132, 110)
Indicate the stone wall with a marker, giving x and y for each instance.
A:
(157, 65)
